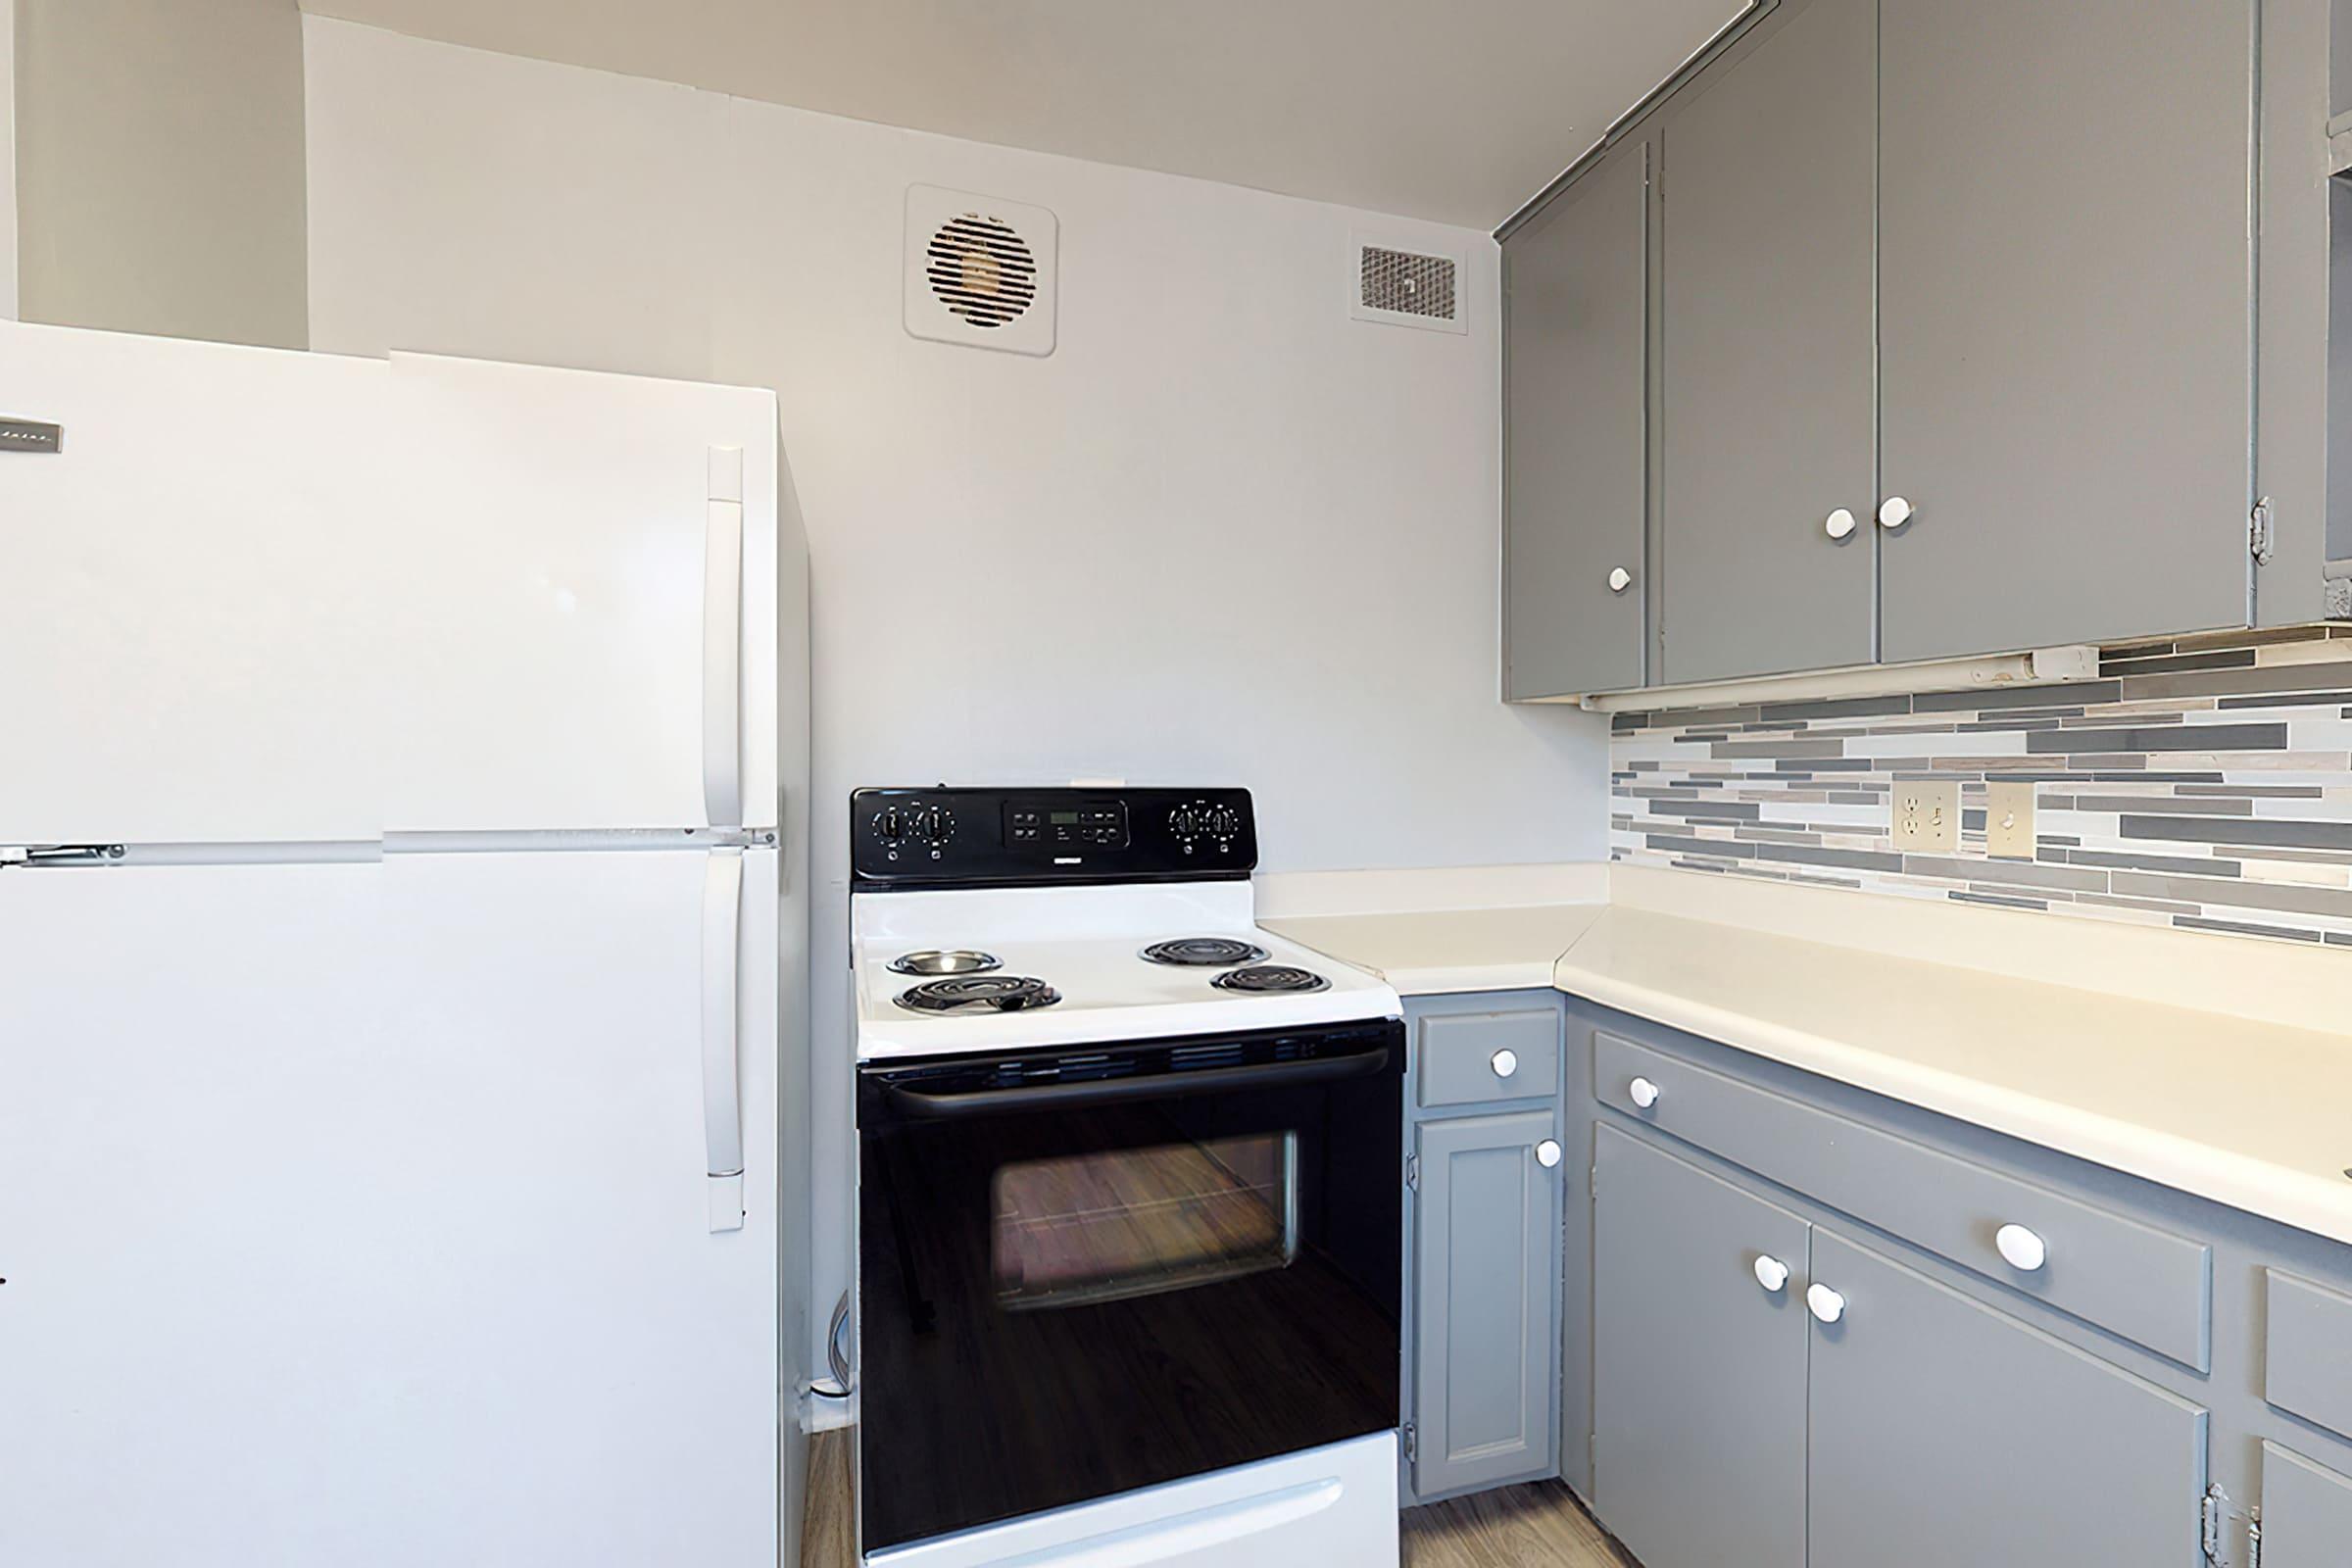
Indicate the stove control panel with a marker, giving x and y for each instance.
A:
(998, 837)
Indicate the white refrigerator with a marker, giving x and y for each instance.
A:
(402, 1004)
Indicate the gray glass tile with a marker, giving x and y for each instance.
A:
(2084, 691)
(1675, 845)
(1850, 860)
(2244, 928)
(1724, 810)
(2288, 831)
(2020, 873)
(2142, 738)
(2211, 891)
(2174, 864)
(2201, 805)
(1799, 747)
(1998, 899)
(1840, 707)
(2318, 699)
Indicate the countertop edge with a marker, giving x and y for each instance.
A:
(2272, 1192)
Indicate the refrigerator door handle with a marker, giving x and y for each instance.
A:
(722, 1120)
(723, 640)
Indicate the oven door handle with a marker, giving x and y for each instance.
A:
(938, 1106)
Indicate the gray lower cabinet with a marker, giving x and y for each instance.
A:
(1767, 371)
(1485, 1280)
(2065, 355)
(1575, 353)
(2306, 1512)
(1699, 1363)
(1945, 1434)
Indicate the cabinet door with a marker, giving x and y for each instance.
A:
(2064, 275)
(1767, 192)
(2306, 1512)
(1698, 1398)
(1487, 1234)
(1576, 421)
(1945, 1434)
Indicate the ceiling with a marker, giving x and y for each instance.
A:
(1456, 111)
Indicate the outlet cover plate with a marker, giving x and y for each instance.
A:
(1927, 817)
(2009, 822)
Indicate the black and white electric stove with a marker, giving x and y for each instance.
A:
(1130, 1193)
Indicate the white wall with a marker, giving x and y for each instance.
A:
(8, 160)
(158, 170)
(1222, 535)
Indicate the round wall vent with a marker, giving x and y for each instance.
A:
(981, 269)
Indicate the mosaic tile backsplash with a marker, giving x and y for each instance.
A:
(2204, 783)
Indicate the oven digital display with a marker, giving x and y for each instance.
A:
(1063, 818)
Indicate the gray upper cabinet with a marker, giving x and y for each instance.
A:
(2065, 280)
(1575, 433)
(1945, 1434)
(1699, 1395)
(1486, 1351)
(1767, 184)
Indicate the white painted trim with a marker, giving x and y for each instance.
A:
(2042, 667)
(8, 160)
(1293, 895)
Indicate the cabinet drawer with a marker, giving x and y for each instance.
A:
(2149, 1286)
(2307, 1366)
(1469, 1057)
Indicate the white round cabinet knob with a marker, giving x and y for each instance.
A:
(1548, 1153)
(1644, 1093)
(1620, 579)
(1772, 1273)
(1825, 1303)
(1894, 512)
(2022, 1248)
(1505, 1063)
(1839, 524)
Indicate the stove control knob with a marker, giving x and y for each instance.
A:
(890, 824)
(1224, 823)
(935, 825)
(1185, 822)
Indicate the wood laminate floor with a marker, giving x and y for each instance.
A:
(1539, 1526)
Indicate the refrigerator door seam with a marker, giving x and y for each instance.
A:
(723, 640)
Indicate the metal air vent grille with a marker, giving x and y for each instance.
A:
(981, 270)
(1407, 283)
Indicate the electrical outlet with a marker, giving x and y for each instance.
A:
(2009, 822)
(1927, 817)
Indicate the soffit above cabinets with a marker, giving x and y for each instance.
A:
(1456, 113)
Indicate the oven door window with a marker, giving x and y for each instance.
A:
(1106, 1227)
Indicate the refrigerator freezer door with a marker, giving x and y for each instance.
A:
(590, 629)
(184, 654)
(356, 1214)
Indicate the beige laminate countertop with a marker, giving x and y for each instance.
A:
(1438, 951)
(2212, 1065)
(2255, 1115)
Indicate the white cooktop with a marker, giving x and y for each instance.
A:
(1086, 943)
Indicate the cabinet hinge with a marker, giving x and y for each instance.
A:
(1412, 1171)
(2211, 1510)
(2260, 537)
(1412, 1444)
(2254, 1537)
(57, 854)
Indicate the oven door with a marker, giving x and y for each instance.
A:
(1088, 1271)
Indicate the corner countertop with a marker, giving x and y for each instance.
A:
(2251, 1114)
(1434, 952)
(2215, 1065)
